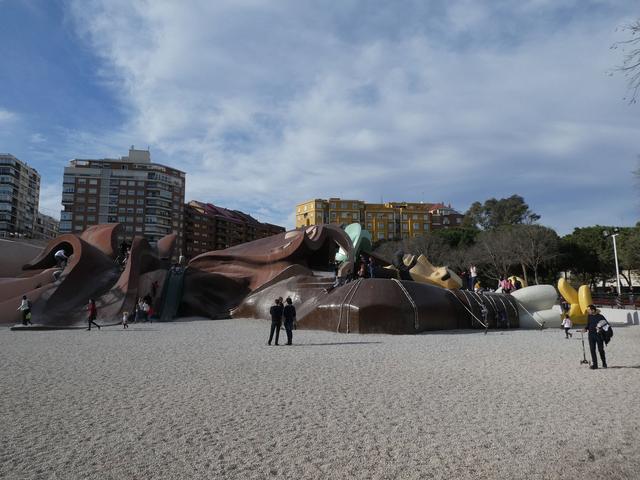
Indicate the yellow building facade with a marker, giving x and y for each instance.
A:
(385, 221)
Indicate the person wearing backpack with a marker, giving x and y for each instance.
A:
(25, 309)
(594, 317)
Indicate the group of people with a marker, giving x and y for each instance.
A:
(278, 311)
(470, 279)
(142, 312)
(508, 286)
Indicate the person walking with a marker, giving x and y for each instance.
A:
(93, 314)
(595, 337)
(276, 312)
(567, 324)
(25, 309)
(289, 313)
(125, 319)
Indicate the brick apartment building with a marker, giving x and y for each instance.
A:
(209, 227)
(146, 198)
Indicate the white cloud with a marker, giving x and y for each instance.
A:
(267, 105)
(6, 116)
(50, 198)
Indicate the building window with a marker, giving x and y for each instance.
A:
(93, 181)
(405, 216)
(405, 227)
(82, 190)
(416, 226)
(91, 218)
(369, 226)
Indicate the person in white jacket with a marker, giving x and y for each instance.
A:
(567, 324)
(25, 308)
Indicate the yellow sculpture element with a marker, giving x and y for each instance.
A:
(424, 272)
(579, 300)
(522, 282)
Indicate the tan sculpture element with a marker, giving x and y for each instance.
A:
(579, 300)
(424, 272)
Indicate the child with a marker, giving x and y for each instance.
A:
(566, 323)
(125, 319)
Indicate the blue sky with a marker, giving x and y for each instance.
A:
(265, 104)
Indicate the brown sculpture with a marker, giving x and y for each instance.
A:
(91, 272)
(242, 281)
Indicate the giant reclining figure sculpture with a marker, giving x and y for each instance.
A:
(242, 282)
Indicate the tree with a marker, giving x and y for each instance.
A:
(495, 250)
(534, 245)
(495, 213)
(589, 254)
(631, 59)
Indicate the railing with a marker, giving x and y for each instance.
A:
(626, 300)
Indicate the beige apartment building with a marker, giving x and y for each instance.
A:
(45, 227)
(19, 197)
(385, 221)
(146, 198)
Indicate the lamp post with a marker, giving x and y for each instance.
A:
(613, 235)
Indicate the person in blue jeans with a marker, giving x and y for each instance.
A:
(595, 337)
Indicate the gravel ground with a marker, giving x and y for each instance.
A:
(209, 399)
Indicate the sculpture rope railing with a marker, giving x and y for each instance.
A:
(347, 299)
(534, 318)
(416, 318)
(468, 310)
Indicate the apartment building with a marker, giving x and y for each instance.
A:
(19, 197)
(385, 221)
(45, 227)
(209, 227)
(145, 197)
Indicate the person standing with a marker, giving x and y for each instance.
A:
(93, 314)
(276, 312)
(567, 324)
(595, 337)
(473, 276)
(372, 268)
(289, 313)
(25, 309)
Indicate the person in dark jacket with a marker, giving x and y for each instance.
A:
(595, 337)
(289, 313)
(276, 312)
(93, 314)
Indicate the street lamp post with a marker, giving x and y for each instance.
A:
(613, 236)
